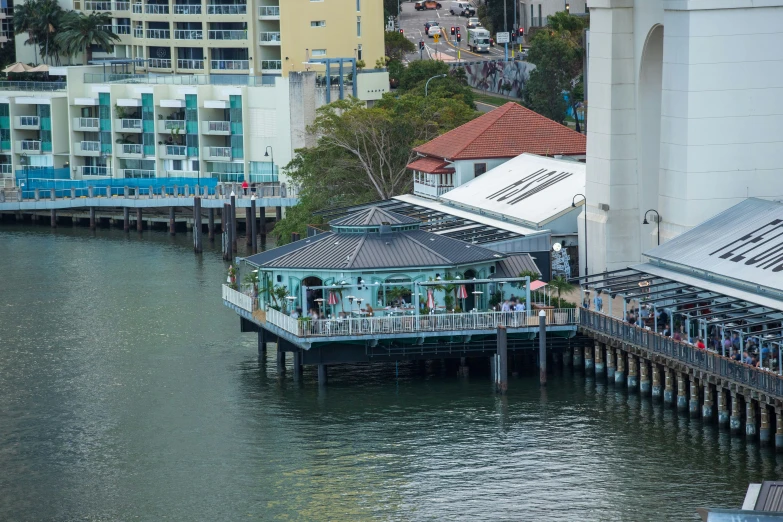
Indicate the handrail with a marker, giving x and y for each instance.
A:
(131, 148)
(227, 9)
(188, 34)
(239, 299)
(90, 146)
(187, 9)
(762, 380)
(184, 63)
(130, 124)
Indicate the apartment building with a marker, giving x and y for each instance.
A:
(248, 37)
(100, 126)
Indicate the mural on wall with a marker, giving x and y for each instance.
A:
(561, 263)
(508, 78)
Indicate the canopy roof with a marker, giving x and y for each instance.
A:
(373, 216)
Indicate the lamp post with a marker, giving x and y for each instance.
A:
(272, 157)
(573, 204)
(645, 222)
(427, 85)
(25, 161)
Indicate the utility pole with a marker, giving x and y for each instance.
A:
(505, 16)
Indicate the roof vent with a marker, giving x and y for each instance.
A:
(385, 228)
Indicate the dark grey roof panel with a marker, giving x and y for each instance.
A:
(770, 497)
(513, 265)
(264, 257)
(373, 216)
(458, 252)
(334, 251)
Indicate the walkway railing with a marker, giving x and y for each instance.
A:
(406, 324)
(239, 299)
(712, 362)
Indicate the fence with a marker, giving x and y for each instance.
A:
(177, 79)
(712, 362)
(239, 299)
(406, 324)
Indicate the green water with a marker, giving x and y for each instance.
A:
(128, 393)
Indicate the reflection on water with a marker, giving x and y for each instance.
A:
(126, 390)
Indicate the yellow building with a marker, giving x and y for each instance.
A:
(247, 37)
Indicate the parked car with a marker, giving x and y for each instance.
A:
(428, 25)
(428, 4)
(473, 23)
(434, 29)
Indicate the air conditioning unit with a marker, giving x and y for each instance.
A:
(603, 206)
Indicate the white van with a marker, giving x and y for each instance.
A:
(462, 9)
(478, 40)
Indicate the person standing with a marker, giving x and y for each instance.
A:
(245, 186)
(598, 302)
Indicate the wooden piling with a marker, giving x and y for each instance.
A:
(226, 226)
(92, 218)
(211, 224)
(261, 343)
(281, 360)
(542, 348)
(126, 219)
(139, 222)
(172, 224)
(253, 226)
(197, 232)
(248, 227)
(262, 226)
(233, 212)
(502, 370)
(53, 218)
(322, 375)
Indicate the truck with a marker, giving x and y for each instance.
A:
(478, 40)
(429, 4)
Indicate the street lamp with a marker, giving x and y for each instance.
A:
(573, 204)
(427, 85)
(266, 155)
(568, 8)
(645, 222)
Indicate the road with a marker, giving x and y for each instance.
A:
(412, 23)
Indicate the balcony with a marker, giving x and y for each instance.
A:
(158, 9)
(28, 146)
(188, 34)
(137, 173)
(130, 150)
(430, 190)
(122, 6)
(86, 124)
(6, 169)
(216, 128)
(187, 9)
(91, 5)
(86, 170)
(227, 9)
(269, 38)
(27, 123)
(217, 153)
(173, 151)
(122, 29)
(159, 63)
(138, 32)
(195, 65)
(230, 65)
(88, 148)
(158, 34)
(269, 12)
(168, 126)
(128, 125)
(271, 66)
(228, 35)
(137, 8)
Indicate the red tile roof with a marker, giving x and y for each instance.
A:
(506, 132)
(430, 165)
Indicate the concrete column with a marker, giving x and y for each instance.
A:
(139, 222)
(463, 370)
(172, 224)
(126, 219)
(197, 227)
(233, 222)
(502, 349)
(779, 430)
(589, 362)
(706, 409)
(211, 226)
(262, 226)
(735, 421)
(765, 433)
(644, 377)
(723, 408)
(750, 418)
(322, 377)
(600, 366)
(610, 365)
(693, 405)
(280, 360)
(619, 373)
(657, 389)
(682, 399)
(253, 226)
(261, 343)
(297, 365)
(578, 358)
(53, 218)
(633, 376)
(248, 227)
(92, 218)
(568, 357)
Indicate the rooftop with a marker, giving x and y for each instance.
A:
(506, 132)
(373, 216)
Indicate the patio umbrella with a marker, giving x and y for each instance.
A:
(17, 67)
(430, 299)
(462, 293)
(40, 68)
(333, 300)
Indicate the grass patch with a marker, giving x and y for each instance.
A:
(491, 100)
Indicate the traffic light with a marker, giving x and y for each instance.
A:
(421, 45)
(459, 38)
(521, 32)
(457, 29)
(401, 31)
(453, 30)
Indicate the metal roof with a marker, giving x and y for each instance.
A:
(514, 265)
(770, 497)
(742, 246)
(373, 216)
(529, 189)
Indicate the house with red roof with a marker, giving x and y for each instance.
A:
(490, 140)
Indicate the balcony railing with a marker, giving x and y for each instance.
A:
(90, 146)
(271, 65)
(217, 126)
(269, 11)
(6, 168)
(138, 32)
(29, 145)
(86, 123)
(190, 64)
(187, 9)
(159, 63)
(218, 152)
(188, 34)
(121, 6)
(170, 125)
(88, 170)
(175, 150)
(132, 148)
(227, 9)
(159, 34)
(137, 173)
(241, 300)
(28, 121)
(156, 9)
(230, 65)
(91, 5)
(270, 37)
(32, 86)
(122, 29)
(137, 8)
(434, 191)
(227, 34)
(128, 124)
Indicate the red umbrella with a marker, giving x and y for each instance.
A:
(333, 299)
(462, 293)
(430, 300)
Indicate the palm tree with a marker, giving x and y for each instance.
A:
(80, 32)
(561, 284)
(40, 20)
(25, 21)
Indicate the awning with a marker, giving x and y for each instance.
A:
(431, 166)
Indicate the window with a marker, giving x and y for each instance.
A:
(318, 23)
(359, 26)
(319, 53)
(479, 169)
(359, 52)
(358, 5)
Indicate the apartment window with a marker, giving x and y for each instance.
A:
(358, 5)
(479, 169)
(359, 26)
(319, 53)
(359, 52)
(318, 23)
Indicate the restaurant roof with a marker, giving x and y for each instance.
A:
(505, 132)
(514, 265)
(373, 216)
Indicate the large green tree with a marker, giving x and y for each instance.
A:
(80, 32)
(40, 20)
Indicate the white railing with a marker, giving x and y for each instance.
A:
(227, 9)
(131, 148)
(29, 145)
(269, 10)
(174, 124)
(228, 34)
(271, 65)
(122, 6)
(219, 152)
(86, 123)
(159, 34)
(130, 124)
(423, 189)
(406, 324)
(217, 126)
(6, 168)
(122, 29)
(243, 301)
(88, 170)
(190, 64)
(270, 37)
(188, 34)
(138, 32)
(230, 64)
(90, 146)
(159, 63)
(29, 121)
(90, 5)
(137, 173)
(187, 9)
(156, 8)
(176, 150)
(137, 8)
